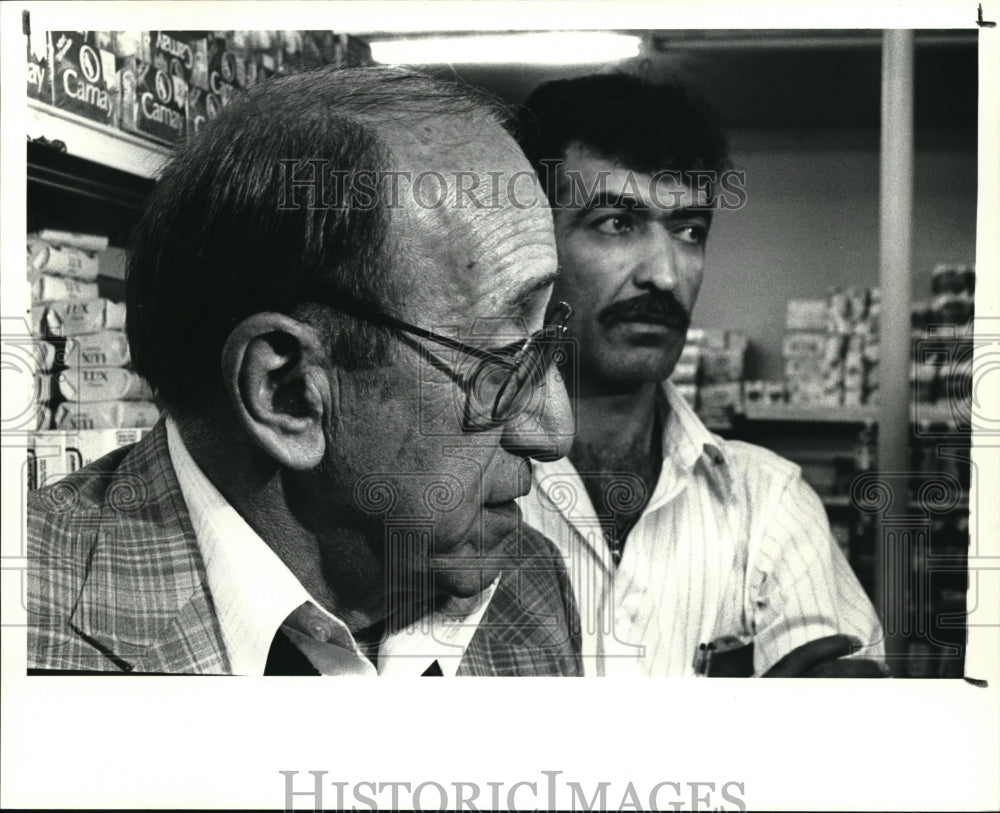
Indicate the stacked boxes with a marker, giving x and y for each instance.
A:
(84, 79)
(710, 374)
(83, 353)
(53, 455)
(39, 74)
(764, 393)
(154, 82)
(164, 85)
(954, 291)
(830, 349)
(941, 373)
(687, 372)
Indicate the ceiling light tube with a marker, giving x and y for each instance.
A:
(539, 48)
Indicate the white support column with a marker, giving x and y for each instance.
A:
(895, 273)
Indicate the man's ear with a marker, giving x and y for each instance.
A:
(280, 383)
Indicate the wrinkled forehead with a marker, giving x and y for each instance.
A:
(586, 179)
(474, 228)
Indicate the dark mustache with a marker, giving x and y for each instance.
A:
(658, 308)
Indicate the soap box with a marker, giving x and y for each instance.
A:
(84, 79)
(154, 103)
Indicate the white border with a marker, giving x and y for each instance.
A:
(181, 742)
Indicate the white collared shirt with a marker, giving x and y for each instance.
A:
(254, 594)
(732, 542)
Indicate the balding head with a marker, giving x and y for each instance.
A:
(227, 221)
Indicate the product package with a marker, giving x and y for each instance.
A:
(105, 414)
(153, 102)
(84, 79)
(88, 384)
(181, 54)
(79, 317)
(39, 73)
(48, 288)
(83, 242)
(806, 314)
(223, 65)
(109, 348)
(53, 455)
(202, 107)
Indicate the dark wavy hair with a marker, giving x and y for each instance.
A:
(214, 245)
(646, 127)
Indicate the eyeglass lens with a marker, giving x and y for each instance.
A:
(528, 369)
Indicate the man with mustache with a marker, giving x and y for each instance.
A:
(345, 372)
(689, 554)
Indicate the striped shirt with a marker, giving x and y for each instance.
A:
(732, 542)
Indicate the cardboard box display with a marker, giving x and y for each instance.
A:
(109, 348)
(53, 455)
(47, 461)
(806, 314)
(765, 392)
(121, 43)
(106, 415)
(202, 107)
(154, 103)
(266, 55)
(90, 446)
(67, 261)
(84, 79)
(45, 355)
(39, 73)
(224, 67)
(721, 366)
(49, 288)
(78, 317)
(69, 239)
(103, 384)
(182, 55)
(803, 344)
(721, 397)
(240, 45)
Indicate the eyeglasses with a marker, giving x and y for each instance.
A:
(498, 385)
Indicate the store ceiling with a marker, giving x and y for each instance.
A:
(785, 79)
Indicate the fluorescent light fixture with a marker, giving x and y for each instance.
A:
(539, 48)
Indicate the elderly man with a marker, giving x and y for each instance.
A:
(352, 360)
(689, 554)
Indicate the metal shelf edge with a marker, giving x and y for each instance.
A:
(97, 142)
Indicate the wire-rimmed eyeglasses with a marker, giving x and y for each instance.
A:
(496, 388)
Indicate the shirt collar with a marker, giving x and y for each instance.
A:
(687, 442)
(254, 593)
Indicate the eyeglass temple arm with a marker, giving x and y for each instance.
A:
(386, 320)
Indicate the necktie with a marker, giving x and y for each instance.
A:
(285, 658)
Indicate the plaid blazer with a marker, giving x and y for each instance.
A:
(117, 583)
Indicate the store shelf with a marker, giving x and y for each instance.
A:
(96, 142)
(803, 414)
(952, 416)
(845, 501)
